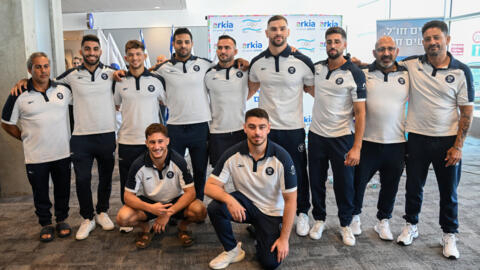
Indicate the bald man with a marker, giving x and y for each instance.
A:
(384, 144)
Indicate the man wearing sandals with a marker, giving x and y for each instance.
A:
(159, 186)
(265, 182)
(30, 118)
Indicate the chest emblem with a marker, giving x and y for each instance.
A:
(269, 170)
(59, 95)
(151, 88)
(170, 174)
(196, 68)
(450, 79)
(239, 74)
(104, 76)
(339, 81)
(291, 70)
(401, 80)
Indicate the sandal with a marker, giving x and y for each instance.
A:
(47, 230)
(143, 240)
(185, 237)
(63, 226)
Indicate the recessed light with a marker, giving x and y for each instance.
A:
(157, 7)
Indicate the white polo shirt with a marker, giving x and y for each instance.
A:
(43, 121)
(186, 96)
(436, 94)
(335, 92)
(160, 185)
(228, 90)
(385, 106)
(262, 181)
(281, 79)
(93, 106)
(140, 99)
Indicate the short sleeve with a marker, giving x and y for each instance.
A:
(11, 111)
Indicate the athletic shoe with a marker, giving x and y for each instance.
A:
(356, 225)
(317, 229)
(227, 257)
(105, 221)
(125, 229)
(449, 243)
(409, 232)
(347, 236)
(302, 224)
(383, 230)
(86, 227)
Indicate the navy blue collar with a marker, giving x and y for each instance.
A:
(174, 61)
(454, 63)
(285, 53)
(31, 88)
(100, 66)
(373, 67)
(144, 73)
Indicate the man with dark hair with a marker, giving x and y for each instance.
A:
(39, 118)
(137, 97)
(265, 194)
(227, 87)
(339, 96)
(384, 142)
(159, 187)
(282, 74)
(76, 61)
(93, 133)
(439, 115)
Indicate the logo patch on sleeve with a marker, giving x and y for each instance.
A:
(292, 170)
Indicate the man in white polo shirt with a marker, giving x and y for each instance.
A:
(384, 143)
(265, 194)
(339, 96)
(227, 87)
(159, 186)
(281, 76)
(39, 118)
(439, 115)
(93, 133)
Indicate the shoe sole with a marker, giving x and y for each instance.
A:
(83, 238)
(381, 238)
(240, 257)
(407, 244)
(302, 235)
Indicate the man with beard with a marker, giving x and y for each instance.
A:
(265, 195)
(282, 74)
(93, 133)
(39, 118)
(227, 87)
(139, 95)
(439, 115)
(339, 95)
(384, 143)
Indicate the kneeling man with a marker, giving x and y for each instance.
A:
(265, 195)
(159, 186)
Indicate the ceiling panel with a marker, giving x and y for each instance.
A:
(80, 6)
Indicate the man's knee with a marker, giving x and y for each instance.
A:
(196, 211)
(268, 261)
(126, 216)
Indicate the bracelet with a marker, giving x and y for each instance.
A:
(458, 148)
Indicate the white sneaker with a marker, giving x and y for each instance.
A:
(227, 257)
(347, 236)
(302, 224)
(449, 243)
(125, 229)
(105, 221)
(383, 230)
(317, 229)
(356, 225)
(86, 227)
(409, 232)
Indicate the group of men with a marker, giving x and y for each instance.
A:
(262, 151)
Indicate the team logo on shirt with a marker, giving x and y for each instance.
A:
(401, 80)
(301, 147)
(104, 76)
(170, 174)
(239, 74)
(292, 170)
(291, 70)
(196, 67)
(269, 170)
(450, 79)
(339, 81)
(151, 88)
(59, 95)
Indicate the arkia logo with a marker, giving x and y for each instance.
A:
(328, 24)
(223, 25)
(306, 24)
(252, 45)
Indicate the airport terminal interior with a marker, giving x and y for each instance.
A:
(56, 27)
